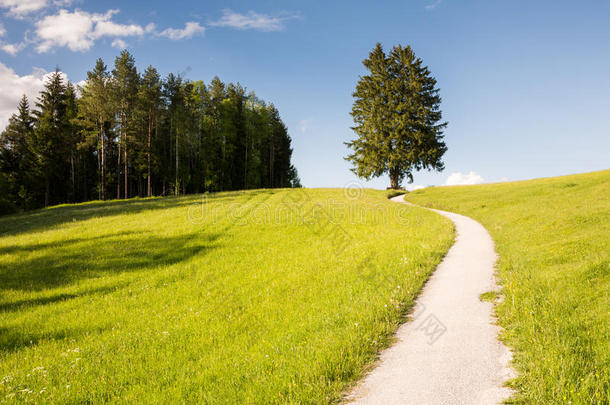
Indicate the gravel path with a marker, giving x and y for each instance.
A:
(449, 353)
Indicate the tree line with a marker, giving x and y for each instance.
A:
(125, 134)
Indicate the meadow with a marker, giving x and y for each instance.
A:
(266, 296)
(553, 239)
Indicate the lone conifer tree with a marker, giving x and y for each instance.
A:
(397, 118)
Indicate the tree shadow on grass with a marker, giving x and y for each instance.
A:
(47, 218)
(67, 262)
(13, 339)
(52, 299)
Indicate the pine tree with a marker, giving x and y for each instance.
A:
(95, 109)
(125, 80)
(173, 135)
(397, 118)
(16, 158)
(50, 144)
(149, 95)
(71, 139)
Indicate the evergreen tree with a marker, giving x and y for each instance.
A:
(16, 158)
(125, 82)
(150, 102)
(95, 111)
(158, 136)
(51, 142)
(397, 118)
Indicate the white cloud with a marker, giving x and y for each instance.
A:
(78, 30)
(15, 86)
(456, 179)
(119, 43)
(413, 187)
(19, 8)
(2, 30)
(190, 28)
(112, 29)
(252, 20)
(12, 49)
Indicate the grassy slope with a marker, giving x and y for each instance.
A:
(242, 300)
(553, 238)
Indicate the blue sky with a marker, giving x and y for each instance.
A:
(525, 84)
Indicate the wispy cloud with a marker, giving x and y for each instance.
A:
(190, 28)
(304, 125)
(252, 21)
(20, 8)
(434, 5)
(456, 179)
(12, 49)
(119, 43)
(79, 30)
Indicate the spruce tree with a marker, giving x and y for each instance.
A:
(125, 82)
(149, 95)
(16, 158)
(175, 135)
(50, 146)
(397, 118)
(95, 110)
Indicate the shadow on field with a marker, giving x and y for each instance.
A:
(43, 219)
(52, 299)
(61, 263)
(13, 339)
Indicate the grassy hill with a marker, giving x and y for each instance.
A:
(553, 238)
(246, 297)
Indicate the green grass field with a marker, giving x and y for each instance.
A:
(553, 239)
(248, 297)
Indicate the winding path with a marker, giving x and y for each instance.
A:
(449, 352)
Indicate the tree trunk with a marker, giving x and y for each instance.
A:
(148, 191)
(103, 168)
(271, 156)
(73, 179)
(394, 179)
(177, 185)
(125, 163)
(46, 192)
(99, 170)
(246, 166)
(118, 170)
